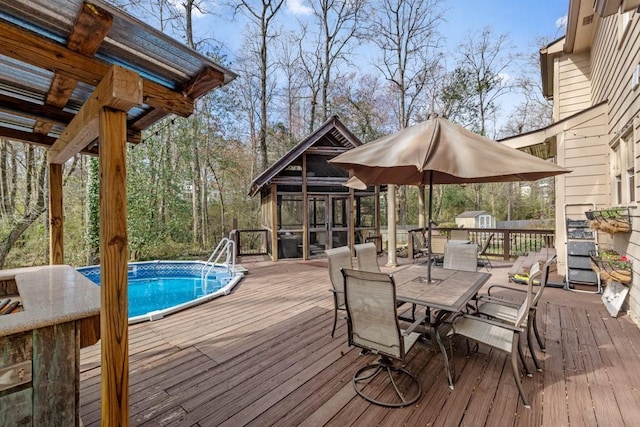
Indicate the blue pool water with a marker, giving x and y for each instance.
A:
(147, 295)
(160, 287)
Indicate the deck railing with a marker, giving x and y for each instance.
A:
(506, 243)
(251, 241)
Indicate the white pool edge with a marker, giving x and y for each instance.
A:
(159, 314)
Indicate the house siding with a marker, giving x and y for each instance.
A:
(613, 61)
(574, 84)
(583, 151)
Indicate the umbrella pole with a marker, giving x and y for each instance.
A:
(429, 225)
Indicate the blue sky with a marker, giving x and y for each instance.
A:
(522, 20)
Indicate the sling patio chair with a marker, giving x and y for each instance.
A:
(507, 310)
(373, 326)
(367, 255)
(482, 252)
(459, 234)
(438, 243)
(338, 258)
(418, 244)
(497, 334)
(458, 256)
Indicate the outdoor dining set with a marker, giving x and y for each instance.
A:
(387, 314)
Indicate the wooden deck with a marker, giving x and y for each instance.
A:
(263, 356)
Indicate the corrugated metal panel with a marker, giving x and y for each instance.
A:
(129, 43)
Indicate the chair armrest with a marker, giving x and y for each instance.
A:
(488, 321)
(414, 325)
(504, 287)
(501, 301)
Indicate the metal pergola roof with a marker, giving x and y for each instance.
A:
(51, 46)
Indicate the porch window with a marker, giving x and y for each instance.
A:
(290, 212)
(616, 173)
(623, 170)
(630, 167)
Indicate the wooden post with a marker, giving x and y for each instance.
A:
(506, 245)
(274, 222)
(113, 267)
(104, 115)
(56, 218)
(305, 210)
(392, 258)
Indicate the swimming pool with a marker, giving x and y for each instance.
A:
(159, 288)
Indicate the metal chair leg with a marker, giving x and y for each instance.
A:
(516, 373)
(531, 349)
(335, 320)
(446, 358)
(535, 330)
(522, 358)
(366, 375)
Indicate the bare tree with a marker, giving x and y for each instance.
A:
(34, 167)
(406, 31)
(484, 60)
(338, 22)
(262, 13)
(288, 59)
(362, 105)
(311, 61)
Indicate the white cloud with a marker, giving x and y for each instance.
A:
(298, 7)
(561, 22)
(505, 78)
(196, 12)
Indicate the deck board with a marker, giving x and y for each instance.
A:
(263, 356)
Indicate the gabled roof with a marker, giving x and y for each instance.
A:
(53, 54)
(472, 214)
(332, 133)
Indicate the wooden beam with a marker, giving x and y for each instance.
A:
(42, 52)
(113, 268)
(120, 90)
(23, 136)
(91, 26)
(32, 110)
(56, 218)
(133, 137)
(202, 84)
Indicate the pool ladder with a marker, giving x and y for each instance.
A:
(227, 249)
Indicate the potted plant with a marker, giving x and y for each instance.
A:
(611, 265)
(612, 220)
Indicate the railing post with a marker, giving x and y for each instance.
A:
(409, 245)
(506, 244)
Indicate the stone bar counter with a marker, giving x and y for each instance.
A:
(40, 343)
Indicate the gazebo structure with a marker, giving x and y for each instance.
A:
(84, 77)
(305, 206)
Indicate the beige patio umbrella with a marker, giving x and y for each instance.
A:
(439, 152)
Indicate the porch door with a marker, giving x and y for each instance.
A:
(339, 221)
(318, 227)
